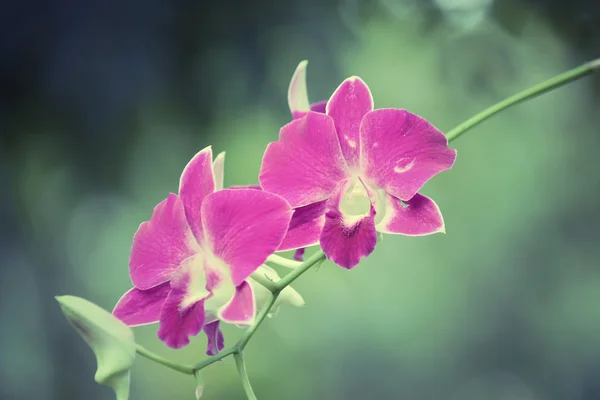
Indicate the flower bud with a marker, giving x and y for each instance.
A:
(110, 339)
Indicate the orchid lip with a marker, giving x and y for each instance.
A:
(357, 199)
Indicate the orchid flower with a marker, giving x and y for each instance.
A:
(353, 170)
(190, 264)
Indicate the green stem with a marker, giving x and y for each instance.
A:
(534, 91)
(282, 261)
(142, 351)
(264, 280)
(275, 288)
(264, 311)
(213, 359)
(241, 367)
(305, 266)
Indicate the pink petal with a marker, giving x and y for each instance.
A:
(161, 244)
(215, 276)
(196, 182)
(216, 341)
(182, 314)
(297, 94)
(319, 106)
(347, 239)
(306, 163)
(255, 187)
(241, 308)
(219, 170)
(299, 254)
(142, 307)
(305, 227)
(417, 217)
(347, 106)
(178, 325)
(243, 227)
(401, 151)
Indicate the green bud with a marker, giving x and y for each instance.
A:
(110, 339)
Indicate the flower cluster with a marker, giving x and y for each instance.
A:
(340, 172)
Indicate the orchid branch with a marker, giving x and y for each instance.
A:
(238, 356)
(142, 351)
(299, 268)
(282, 261)
(530, 93)
(275, 290)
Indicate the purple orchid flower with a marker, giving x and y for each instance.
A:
(362, 167)
(307, 221)
(190, 264)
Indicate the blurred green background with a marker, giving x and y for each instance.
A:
(100, 114)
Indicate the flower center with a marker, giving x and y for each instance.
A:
(218, 281)
(355, 201)
(209, 279)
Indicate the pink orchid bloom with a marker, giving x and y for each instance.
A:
(190, 264)
(353, 171)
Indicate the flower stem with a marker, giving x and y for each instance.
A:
(259, 319)
(238, 356)
(142, 351)
(282, 261)
(534, 91)
(264, 280)
(305, 266)
(237, 349)
(213, 359)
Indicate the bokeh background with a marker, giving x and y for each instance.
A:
(102, 103)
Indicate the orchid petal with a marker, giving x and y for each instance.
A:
(346, 239)
(219, 284)
(197, 181)
(182, 314)
(243, 227)
(161, 244)
(142, 307)
(219, 170)
(350, 102)
(216, 341)
(319, 106)
(417, 217)
(401, 151)
(306, 163)
(299, 254)
(254, 187)
(305, 226)
(241, 308)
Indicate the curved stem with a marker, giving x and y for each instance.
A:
(241, 367)
(213, 359)
(275, 288)
(142, 351)
(264, 311)
(534, 91)
(305, 266)
(264, 280)
(282, 261)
